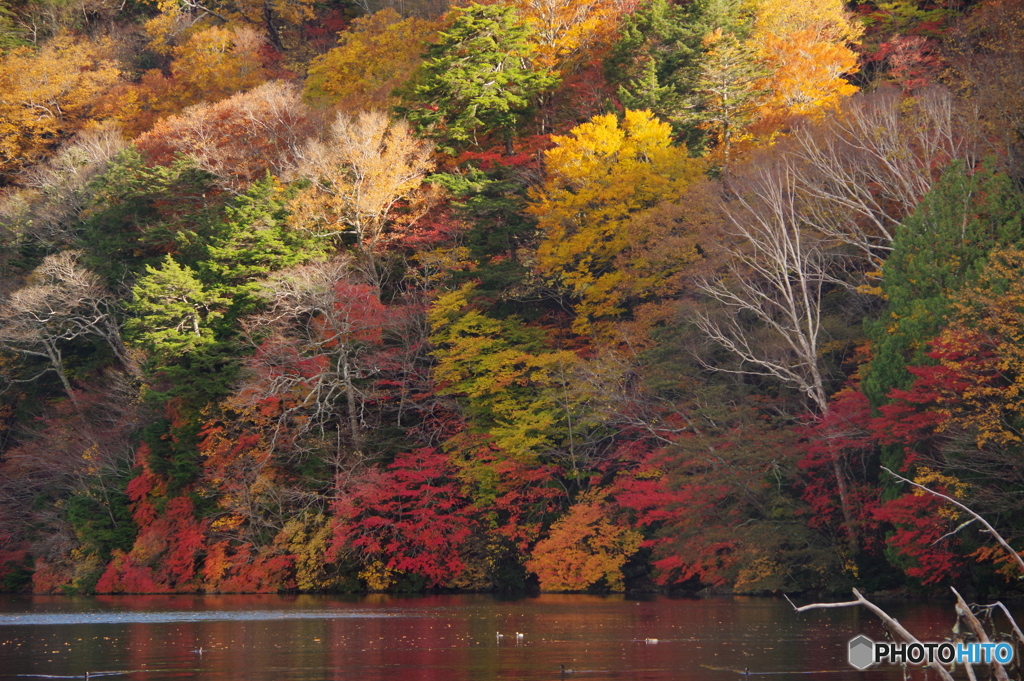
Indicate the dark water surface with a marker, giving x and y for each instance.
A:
(439, 638)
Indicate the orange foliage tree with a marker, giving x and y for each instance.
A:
(584, 548)
(49, 94)
(208, 66)
(804, 46)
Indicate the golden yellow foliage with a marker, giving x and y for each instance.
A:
(599, 179)
(988, 331)
(756, 572)
(372, 58)
(308, 539)
(378, 576)
(565, 28)
(48, 95)
(359, 174)
(212, 64)
(805, 48)
(827, 19)
(513, 386)
(954, 488)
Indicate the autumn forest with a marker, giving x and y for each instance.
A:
(530, 295)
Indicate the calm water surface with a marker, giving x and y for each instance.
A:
(438, 638)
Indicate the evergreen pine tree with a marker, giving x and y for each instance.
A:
(477, 79)
(657, 61)
(173, 311)
(253, 240)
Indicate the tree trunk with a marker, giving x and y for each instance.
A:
(350, 395)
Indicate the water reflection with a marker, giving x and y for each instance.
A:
(439, 638)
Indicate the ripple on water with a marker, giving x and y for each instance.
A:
(189, 616)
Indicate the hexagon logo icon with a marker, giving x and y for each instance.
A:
(862, 652)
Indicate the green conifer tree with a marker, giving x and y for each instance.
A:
(477, 79)
(173, 311)
(252, 241)
(657, 61)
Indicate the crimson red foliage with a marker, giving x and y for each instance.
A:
(687, 511)
(919, 536)
(844, 435)
(413, 517)
(168, 548)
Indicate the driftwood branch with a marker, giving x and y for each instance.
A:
(988, 528)
(888, 620)
(1013, 622)
(964, 611)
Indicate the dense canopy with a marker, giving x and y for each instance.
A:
(561, 295)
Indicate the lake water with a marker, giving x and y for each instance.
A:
(439, 638)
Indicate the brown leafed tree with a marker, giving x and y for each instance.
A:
(987, 66)
(238, 139)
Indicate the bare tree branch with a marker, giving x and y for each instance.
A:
(964, 612)
(889, 621)
(988, 528)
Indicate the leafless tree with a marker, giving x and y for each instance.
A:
(82, 448)
(770, 298)
(777, 275)
(864, 170)
(318, 339)
(51, 195)
(62, 302)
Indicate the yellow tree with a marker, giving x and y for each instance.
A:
(599, 178)
(48, 95)
(359, 175)
(372, 58)
(565, 28)
(804, 46)
(510, 384)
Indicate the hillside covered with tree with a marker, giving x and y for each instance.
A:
(564, 295)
